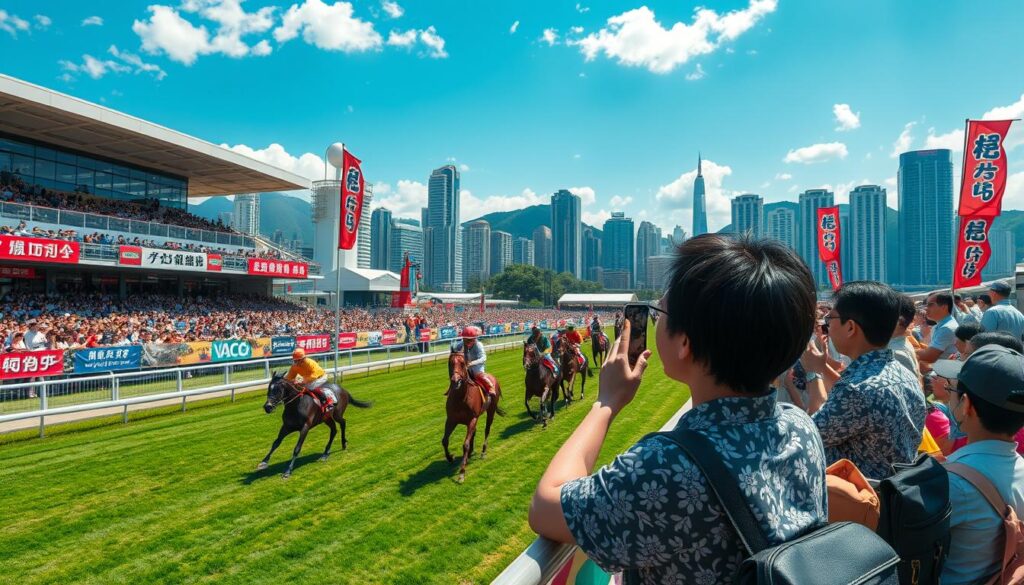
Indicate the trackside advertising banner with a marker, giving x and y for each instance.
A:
(981, 197)
(231, 350)
(448, 333)
(314, 343)
(129, 256)
(829, 244)
(172, 260)
(31, 364)
(282, 345)
(38, 250)
(347, 340)
(278, 268)
(108, 359)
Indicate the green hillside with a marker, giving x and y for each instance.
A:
(291, 215)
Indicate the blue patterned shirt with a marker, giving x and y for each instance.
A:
(652, 511)
(874, 415)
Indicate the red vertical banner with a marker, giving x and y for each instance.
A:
(829, 244)
(972, 250)
(981, 193)
(352, 186)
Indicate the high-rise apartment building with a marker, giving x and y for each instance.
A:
(618, 254)
(405, 239)
(926, 214)
(780, 224)
(380, 238)
(501, 251)
(867, 235)
(363, 240)
(648, 244)
(542, 247)
(477, 253)
(700, 210)
(444, 265)
(1004, 255)
(247, 214)
(748, 215)
(807, 231)
(567, 233)
(523, 251)
(591, 255)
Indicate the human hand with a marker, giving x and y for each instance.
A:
(620, 381)
(813, 360)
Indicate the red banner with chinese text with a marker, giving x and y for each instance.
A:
(278, 268)
(829, 244)
(31, 364)
(352, 186)
(17, 272)
(981, 194)
(972, 250)
(38, 250)
(314, 343)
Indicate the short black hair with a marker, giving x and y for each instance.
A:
(872, 305)
(958, 297)
(908, 310)
(993, 418)
(967, 331)
(1001, 338)
(943, 299)
(725, 292)
(985, 298)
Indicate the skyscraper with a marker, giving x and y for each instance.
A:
(648, 244)
(926, 214)
(566, 233)
(405, 238)
(247, 214)
(678, 235)
(363, 242)
(591, 255)
(700, 211)
(227, 218)
(522, 251)
(807, 231)
(866, 237)
(477, 253)
(748, 215)
(380, 238)
(1004, 256)
(542, 247)
(501, 251)
(444, 265)
(780, 224)
(617, 250)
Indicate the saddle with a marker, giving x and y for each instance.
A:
(322, 405)
(550, 364)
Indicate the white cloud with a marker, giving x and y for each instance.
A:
(904, 140)
(392, 8)
(953, 140)
(636, 39)
(582, 9)
(43, 21)
(96, 68)
(464, 168)
(576, 30)
(1013, 197)
(586, 194)
(93, 21)
(404, 200)
(512, 29)
(473, 207)
(431, 40)
(550, 36)
(677, 197)
(783, 176)
(167, 32)
(698, 73)
(307, 165)
(331, 27)
(892, 197)
(597, 218)
(262, 48)
(1013, 111)
(816, 153)
(11, 24)
(845, 117)
(618, 202)
(403, 39)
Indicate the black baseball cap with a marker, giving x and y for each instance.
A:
(1000, 288)
(993, 373)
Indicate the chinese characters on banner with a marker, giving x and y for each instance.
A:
(169, 259)
(31, 364)
(829, 244)
(351, 201)
(981, 197)
(278, 268)
(38, 250)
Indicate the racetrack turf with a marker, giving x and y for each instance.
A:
(175, 498)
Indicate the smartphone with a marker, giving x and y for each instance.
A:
(638, 315)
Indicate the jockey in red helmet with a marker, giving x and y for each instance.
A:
(476, 358)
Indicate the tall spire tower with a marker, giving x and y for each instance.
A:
(700, 212)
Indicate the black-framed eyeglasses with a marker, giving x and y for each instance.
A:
(656, 312)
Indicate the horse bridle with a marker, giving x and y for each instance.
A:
(285, 403)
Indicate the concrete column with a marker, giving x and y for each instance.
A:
(122, 287)
(181, 286)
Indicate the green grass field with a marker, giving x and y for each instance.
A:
(174, 497)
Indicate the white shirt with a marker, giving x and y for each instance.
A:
(35, 340)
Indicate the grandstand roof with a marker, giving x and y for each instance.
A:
(597, 299)
(42, 114)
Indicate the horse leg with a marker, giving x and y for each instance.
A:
(543, 403)
(284, 432)
(344, 441)
(487, 430)
(527, 402)
(330, 441)
(583, 380)
(449, 426)
(552, 400)
(298, 449)
(466, 444)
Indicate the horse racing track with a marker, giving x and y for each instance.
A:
(175, 498)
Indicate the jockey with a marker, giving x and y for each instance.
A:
(313, 377)
(574, 339)
(544, 346)
(595, 329)
(476, 359)
(556, 346)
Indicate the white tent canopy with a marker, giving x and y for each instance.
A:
(596, 299)
(461, 299)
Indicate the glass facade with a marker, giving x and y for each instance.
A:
(64, 170)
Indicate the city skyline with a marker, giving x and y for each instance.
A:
(629, 148)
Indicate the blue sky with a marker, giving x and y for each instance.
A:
(613, 100)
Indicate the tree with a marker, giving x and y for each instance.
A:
(530, 284)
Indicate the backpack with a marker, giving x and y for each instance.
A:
(1012, 571)
(914, 520)
(865, 558)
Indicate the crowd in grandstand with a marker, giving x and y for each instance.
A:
(871, 387)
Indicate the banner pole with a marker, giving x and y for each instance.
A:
(959, 217)
(337, 268)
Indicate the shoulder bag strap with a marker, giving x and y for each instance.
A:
(981, 483)
(724, 485)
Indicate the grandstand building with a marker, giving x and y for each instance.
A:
(94, 199)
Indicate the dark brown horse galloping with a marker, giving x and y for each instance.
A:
(571, 367)
(466, 402)
(540, 382)
(598, 348)
(302, 412)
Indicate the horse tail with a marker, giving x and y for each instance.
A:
(499, 410)
(356, 402)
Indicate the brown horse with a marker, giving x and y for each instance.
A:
(540, 382)
(570, 367)
(598, 348)
(302, 412)
(466, 402)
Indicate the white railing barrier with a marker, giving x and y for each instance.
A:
(543, 559)
(45, 389)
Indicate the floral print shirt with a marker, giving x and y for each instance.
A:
(874, 415)
(652, 513)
